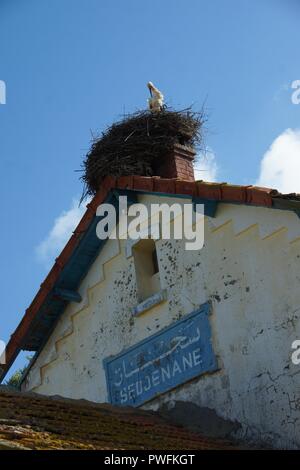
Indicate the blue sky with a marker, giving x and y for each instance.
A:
(73, 65)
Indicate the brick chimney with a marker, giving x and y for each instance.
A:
(177, 164)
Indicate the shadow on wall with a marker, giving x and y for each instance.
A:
(199, 419)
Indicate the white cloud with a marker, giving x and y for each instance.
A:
(205, 167)
(59, 234)
(280, 166)
(2, 352)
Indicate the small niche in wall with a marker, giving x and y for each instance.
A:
(146, 268)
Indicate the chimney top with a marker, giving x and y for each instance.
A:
(177, 164)
(145, 143)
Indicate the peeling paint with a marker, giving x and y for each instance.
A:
(249, 269)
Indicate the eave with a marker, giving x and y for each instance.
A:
(83, 247)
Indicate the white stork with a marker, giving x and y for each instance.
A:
(156, 102)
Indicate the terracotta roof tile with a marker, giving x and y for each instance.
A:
(209, 190)
(37, 422)
(143, 183)
(213, 191)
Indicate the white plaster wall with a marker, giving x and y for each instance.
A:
(249, 269)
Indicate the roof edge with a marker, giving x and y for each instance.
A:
(219, 192)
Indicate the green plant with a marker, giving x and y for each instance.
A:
(15, 380)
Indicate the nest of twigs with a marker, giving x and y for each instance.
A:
(133, 145)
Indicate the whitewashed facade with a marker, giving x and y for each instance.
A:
(249, 269)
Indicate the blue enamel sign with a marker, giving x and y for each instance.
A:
(163, 361)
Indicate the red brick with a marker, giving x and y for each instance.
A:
(177, 164)
(259, 196)
(125, 182)
(99, 197)
(109, 182)
(143, 183)
(234, 193)
(185, 187)
(209, 190)
(162, 185)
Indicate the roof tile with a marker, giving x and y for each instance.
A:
(143, 183)
(164, 185)
(209, 190)
(234, 193)
(259, 196)
(38, 422)
(125, 182)
(213, 191)
(185, 187)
